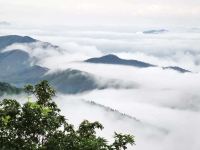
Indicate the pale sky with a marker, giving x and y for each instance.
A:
(102, 12)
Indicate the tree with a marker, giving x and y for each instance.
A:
(38, 125)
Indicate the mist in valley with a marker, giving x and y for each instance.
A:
(158, 102)
(159, 107)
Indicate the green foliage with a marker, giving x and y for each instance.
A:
(39, 126)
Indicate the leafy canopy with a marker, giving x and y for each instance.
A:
(38, 125)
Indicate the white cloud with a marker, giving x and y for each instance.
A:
(164, 99)
(176, 48)
(97, 12)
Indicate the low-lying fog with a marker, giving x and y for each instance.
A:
(162, 111)
(166, 103)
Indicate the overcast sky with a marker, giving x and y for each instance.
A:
(102, 12)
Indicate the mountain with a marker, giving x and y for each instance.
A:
(76, 81)
(68, 81)
(112, 59)
(71, 81)
(13, 61)
(17, 39)
(6, 88)
(18, 70)
(13, 39)
(155, 31)
(181, 70)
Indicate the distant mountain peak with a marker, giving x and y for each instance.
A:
(18, 38)
(176, 68)
(155, 31)
(110, 56)
(115, 60)
(12, 39)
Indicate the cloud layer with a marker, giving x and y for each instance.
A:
(178, 47)
(166, 103)
(140, 12)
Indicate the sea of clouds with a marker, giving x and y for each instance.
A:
(176, 47)
(165, 103)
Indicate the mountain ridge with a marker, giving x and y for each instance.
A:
(13, 39)
(115, 60)
(18, 70)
